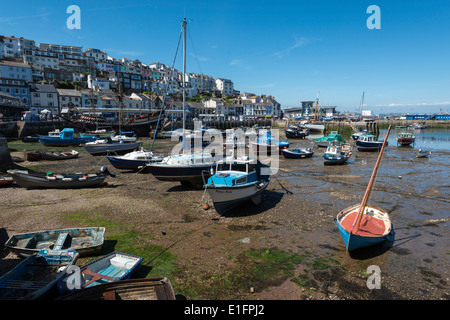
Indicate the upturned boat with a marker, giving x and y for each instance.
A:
(332, 138)
(364, 225)
(85, 241)
(237, 180)
(297, 153)
(30, 180)
(110, 268)
(35, 276)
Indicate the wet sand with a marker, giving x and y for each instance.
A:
(414, 191)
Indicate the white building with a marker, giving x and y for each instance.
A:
(14, 47)
(15, 70)
(98, 55)
(225, 86)
(69, 98)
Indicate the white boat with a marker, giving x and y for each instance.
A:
(236, 181)
(123, 138)
(105, 146)
(135, 160)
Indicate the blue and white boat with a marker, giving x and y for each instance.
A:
(35, 276)
(237, 180)
(335, 155)
(66, 138)
(297, 153)
(112, 267)
(97, 134)
(135, 160)
(368, 142)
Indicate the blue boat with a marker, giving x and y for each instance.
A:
(335, 155)
(237, 180)
(297, 153)
(112, 267)
(266, 145)
(37, 275)
(66, 138)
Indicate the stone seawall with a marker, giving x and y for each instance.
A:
(20, 129)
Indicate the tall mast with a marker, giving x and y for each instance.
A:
(317, 102)
(184, 73)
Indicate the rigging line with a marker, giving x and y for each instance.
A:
(195, 52)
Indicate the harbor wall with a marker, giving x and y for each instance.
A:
(20, 129)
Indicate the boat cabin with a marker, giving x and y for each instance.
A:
(233, 171)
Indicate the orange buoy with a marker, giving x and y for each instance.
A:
(206, 206)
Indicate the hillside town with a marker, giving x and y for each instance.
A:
(47, 80)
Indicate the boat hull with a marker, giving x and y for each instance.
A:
(329, 160)
(191, 174)
(228, 198)
(405, 141)
(59, 142)
(374, 231)
(369, 146)
(296, 155)
(101, 149)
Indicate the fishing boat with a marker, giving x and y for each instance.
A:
(368, 142)
(405, 138)
(49, 180)
(131, 289)
(364, 225)
(113, 267)
(37, 275)
(50, 155)
(356, 135)
(422, 153)
(185, 168)
(332, 138)
(6, 180)
(236, 180)
(66, 138)
(134, 160)
(85, 241)
(335, 155)
(297, 153)
(268, 145)
(103, 146)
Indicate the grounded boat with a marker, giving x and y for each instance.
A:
(236, 181)
(356, 135)
(30, 139)
(368, 142)
(363, 225)
(65, 138)
(335, 155)
(405, 138)
(50, 155)
(49, 180)
(295, 132)
(297, 153)
(105, 146)
(131, 289)
(186, 168)
(110, 268)
(85, 241)
(97, 134)
(123, 138)
(267, 145)
(332, 138)
(134, 160)
(6, 180)
(422, 153)
(35, 276)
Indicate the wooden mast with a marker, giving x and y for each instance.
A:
(369, 186)
(317, 102)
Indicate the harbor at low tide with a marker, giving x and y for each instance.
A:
(286, 248)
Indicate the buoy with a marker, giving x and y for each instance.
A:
(206, 206)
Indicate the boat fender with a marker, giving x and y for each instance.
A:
(82, 178)
(206, 206)
(67, 179)
(51, 178)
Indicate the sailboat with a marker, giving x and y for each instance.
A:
(364, 225)
(188, 168)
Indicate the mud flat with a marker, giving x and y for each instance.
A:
(287, 248)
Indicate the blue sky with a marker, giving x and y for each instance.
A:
(288, 49)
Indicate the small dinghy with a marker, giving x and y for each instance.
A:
(112, 267)
(422, 153)
(363, 225)
(35, 276)
(86, 241)
(6, 180)
(50, 155)
(30, 180)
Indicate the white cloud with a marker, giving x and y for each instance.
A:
(299, 42)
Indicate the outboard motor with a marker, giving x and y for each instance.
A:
(104, 170)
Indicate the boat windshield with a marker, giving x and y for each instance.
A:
(234, 167)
